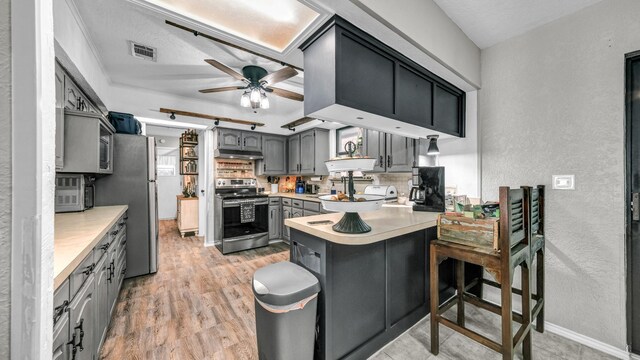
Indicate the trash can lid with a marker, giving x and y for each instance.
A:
(284, 283)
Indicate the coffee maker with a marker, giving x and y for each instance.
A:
(428, 193)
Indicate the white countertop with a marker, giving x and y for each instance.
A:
(76, 234)
(314, 198)
(385, 223)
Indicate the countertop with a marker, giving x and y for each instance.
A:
(76, 234)
(307, 197)
(385, 223)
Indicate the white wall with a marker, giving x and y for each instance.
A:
(424, 24)
(33, 174)
(5, 177)
(552, 102)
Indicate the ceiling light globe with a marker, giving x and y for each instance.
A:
(264, 102)
(244, 100)
(255, 95)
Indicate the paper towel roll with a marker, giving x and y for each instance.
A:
(315, 178)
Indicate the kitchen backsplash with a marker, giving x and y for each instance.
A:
(399, 180)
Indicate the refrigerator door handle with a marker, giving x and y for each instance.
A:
(153, 227)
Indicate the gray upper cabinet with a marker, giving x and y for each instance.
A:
(60, 104)
(274, 150)
(251, 141)
(88, 143)
(400, 154)
(374, 147)
(229, 139)
(294, 154)
(307, 152)
(345, 66)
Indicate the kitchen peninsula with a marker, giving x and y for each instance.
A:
(374, 285)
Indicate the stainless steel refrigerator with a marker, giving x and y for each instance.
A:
(133, 183)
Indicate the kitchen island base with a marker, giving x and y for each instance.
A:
(371, 293)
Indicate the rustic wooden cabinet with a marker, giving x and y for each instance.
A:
(350, 71)
(274, 151)
(187, 216)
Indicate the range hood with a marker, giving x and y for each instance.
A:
(237, 154)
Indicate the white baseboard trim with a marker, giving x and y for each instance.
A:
(587, 341)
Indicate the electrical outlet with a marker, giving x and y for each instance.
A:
(564, 182)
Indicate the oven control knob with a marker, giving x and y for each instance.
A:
(253, 182)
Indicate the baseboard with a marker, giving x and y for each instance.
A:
(587, 341)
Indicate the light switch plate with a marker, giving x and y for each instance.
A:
(564, 182)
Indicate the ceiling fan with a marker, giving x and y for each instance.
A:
(258, 82)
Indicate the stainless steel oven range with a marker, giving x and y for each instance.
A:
(241, 216)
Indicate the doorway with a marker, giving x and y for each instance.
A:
(632, 188)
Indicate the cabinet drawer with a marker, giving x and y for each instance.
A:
(81, 274)
(101, 249)
(60, 301)
(274, 201)
(297, 204)
(286, 201)
(312, 205)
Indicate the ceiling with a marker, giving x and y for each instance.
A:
(488, 22)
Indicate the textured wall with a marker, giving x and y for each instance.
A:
(5, 177)
(552, 102)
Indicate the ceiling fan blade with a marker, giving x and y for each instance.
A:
(286, 94)
(221, 89)
(224, 68)
(278, 76)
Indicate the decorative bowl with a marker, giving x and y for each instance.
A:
(370, 203)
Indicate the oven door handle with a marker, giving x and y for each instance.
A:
(232, 203)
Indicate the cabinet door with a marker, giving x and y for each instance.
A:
(286, 214)
(275, 222)
(112, 279)
(102, 302)
(447, 111)
(374, 148)
(229, 139)
(83, 324)
(309, 213)
(413, 98)
(59, 118)
(296, 213)
(275, 155)
(251, 141)
(188, 214)
(308, 153)
(365, 76)
(399, 153)
(61, 350)
(294, 154)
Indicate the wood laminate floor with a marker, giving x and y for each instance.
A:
(200, 306)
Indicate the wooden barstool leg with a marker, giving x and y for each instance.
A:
(540, 289)
(526, 309)
(435, 301)
(460, 288)
(507, 332)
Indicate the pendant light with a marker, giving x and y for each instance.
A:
(255, 95)
(244, 100)
(433, 145)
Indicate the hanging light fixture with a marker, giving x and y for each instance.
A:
(244, 100)
(433, 145)
(264, 101)
(255, 95)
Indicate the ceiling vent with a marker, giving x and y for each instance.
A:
(143, 52)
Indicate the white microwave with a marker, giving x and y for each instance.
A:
(74, 192)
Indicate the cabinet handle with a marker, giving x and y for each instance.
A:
(238, 141)
(265, 166)
(111, 269)
(381, 162)
(79, 327)
(389, 161)
(114, 233)
(59, 310)
(244, 143)
(74, 349)
(89, 269)
(105, 246)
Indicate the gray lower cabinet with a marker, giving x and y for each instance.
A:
(274, 150)
(400, 156)
(306, 212)
(83, 321)
(84, 303)
(275, 222)
(296, 213)
(286, 214)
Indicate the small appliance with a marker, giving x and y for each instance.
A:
(74, 192)
(312, 189)
(428, 192)
(389, 192)
(300, 185)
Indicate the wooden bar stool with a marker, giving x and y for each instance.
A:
(513, 250)
(535, 222)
